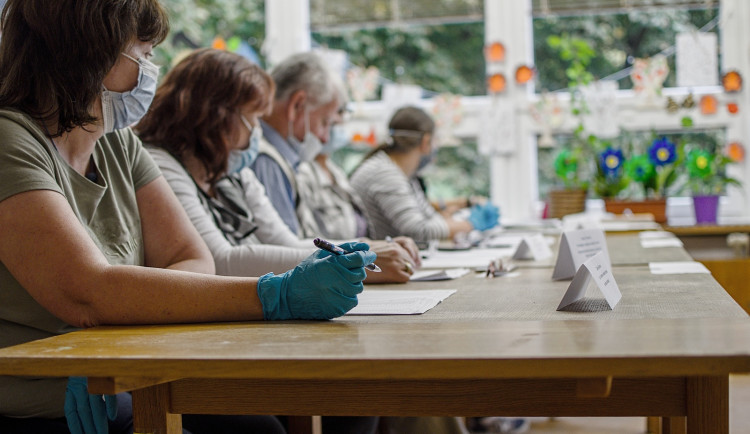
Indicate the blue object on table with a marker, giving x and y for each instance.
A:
(484, 217)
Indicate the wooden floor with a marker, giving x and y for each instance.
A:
(739, 417)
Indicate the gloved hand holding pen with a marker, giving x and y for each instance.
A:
(323, 286)
(484, 217)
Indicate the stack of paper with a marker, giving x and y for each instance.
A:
(399, 301)
(431, 275)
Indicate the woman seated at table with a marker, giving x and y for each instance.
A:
(91, 232)
(395, 201)
(202, 125)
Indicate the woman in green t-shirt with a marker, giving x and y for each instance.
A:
(91, 232)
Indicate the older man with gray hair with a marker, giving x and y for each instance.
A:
(306, 105)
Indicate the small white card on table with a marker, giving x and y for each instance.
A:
(598, 269)
(575, 248)
(686, 267)
(533, 247)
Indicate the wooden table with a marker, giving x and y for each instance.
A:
(496, 347)
(708, 244)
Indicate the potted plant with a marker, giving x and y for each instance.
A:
(570, 169)
(707, 178)
(571, 164)
(610, 178)
(653, 172)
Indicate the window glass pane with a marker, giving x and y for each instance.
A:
(439, 58)
(335, 13)
(616, 39)
(237, 26)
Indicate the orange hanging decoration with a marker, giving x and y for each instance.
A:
(709, 105)
(732, 81)
(219, 43)
(524, 74)
(736, 152)
(371, 138)
(494, 52)
(496, 83)
(733, 108)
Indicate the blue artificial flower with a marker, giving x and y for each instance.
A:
(611, 161)
(662, 152)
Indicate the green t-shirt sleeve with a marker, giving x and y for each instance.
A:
(143, 168)
(25, 160)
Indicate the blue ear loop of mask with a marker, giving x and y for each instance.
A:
(241, 158)
(123, 109)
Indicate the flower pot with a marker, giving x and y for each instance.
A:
(706, 208)
(655, 207)
(564, 202)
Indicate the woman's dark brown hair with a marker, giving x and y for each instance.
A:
(198, 105)
(54, 55)
(406, 128)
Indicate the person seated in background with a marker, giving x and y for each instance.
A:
(91, 232)
(324, 188)
(202, 130)
(307, 103)
(393, 197)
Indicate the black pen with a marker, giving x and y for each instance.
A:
(336, 250)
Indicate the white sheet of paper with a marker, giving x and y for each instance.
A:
(625, 226)
(685, 267)
(651, 243)
(598, 269)
(645, 235)
(533, 247)
(399, 301)
(432, 275)
(696, 59)
(473, 258)
(575, 248)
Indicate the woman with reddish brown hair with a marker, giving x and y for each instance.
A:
(202, 129)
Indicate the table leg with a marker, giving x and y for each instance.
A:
(151, 411)
(653, 425)
(708, 405)
(304, 425)
(673, 425)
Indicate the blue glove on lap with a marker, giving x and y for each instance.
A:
(323, 286)
(484, 217)
(87, 413)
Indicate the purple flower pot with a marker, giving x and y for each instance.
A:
(706, 209)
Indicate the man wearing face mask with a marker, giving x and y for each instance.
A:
(324, 187)
(306, 105)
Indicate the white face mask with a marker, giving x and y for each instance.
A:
(241, 158)
(310, 146)
(123, 109)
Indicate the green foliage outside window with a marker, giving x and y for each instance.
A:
(196, 23)
(617, 39)
(443, 58)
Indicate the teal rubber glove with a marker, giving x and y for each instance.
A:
(484, 217)
(87, 413)
(323, 286)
